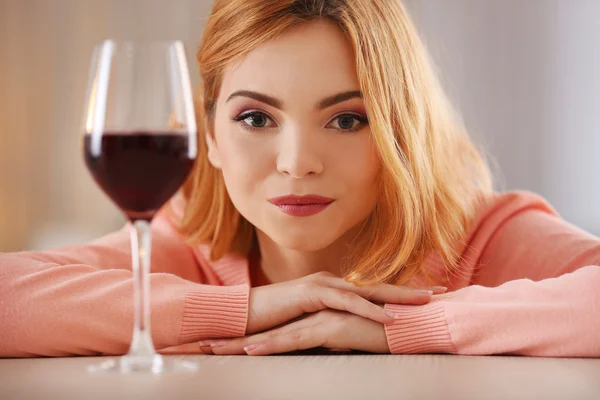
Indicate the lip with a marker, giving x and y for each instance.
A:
(301, 206)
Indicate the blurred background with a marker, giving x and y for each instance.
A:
(525, 75)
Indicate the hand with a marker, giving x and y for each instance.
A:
(276, 304)
(328, 328)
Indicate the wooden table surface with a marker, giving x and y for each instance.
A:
(313, 377)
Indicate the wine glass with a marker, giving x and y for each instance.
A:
(140, 143)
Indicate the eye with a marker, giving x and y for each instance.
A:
(255, 120)
(347, 122)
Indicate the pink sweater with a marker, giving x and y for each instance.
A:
(529, 284)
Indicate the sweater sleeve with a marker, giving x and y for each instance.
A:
(79, 300)
(534, 292)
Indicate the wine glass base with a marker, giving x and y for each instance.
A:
(154, 364)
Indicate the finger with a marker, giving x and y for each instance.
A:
(236, 346)
(186, 348)
(298, 340)
(438, 289)
(384, 292)
(229, 347)
(205, 348)
(344, 300)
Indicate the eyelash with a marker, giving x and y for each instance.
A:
(246, 114)
(363, 121)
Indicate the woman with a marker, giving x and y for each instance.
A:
(334, 178)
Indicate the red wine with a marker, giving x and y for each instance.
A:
(139, 171)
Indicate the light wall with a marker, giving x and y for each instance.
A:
(526, 76)
(47, 197)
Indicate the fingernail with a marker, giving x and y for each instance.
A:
(250, 347)
(202, 343)
(423, 291)
(439, 288)
(220, 343)
(391, 314)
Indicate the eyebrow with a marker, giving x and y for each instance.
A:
(274, 102)
(338, 98)
(263, 98)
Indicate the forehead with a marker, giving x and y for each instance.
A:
(313, 58)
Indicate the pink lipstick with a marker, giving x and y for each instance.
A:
(301, 206)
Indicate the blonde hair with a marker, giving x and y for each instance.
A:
(433, 178)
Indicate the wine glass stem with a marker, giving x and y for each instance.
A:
(141, 343)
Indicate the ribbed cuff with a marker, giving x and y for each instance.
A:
(215, 312)
(419, 329)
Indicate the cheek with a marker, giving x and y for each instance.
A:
(234, 155)
(359, 165)
(244, 161)
(366, 184)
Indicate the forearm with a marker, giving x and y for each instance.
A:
(558, 317)
(58, 310)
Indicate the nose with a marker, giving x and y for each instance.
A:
(299, 154)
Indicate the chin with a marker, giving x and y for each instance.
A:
(307, 241)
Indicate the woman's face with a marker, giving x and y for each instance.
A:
(290, 121)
